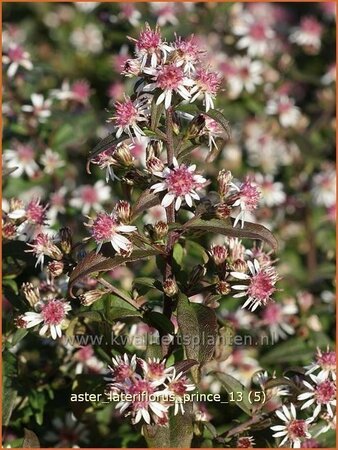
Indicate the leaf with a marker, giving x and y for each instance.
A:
(148, 282)
(159, 321)
(185, 366)
(178, 434)
(198, 326)
(219, 118)
(18, 335)
(178, 253)
(153, 351)
(230, 384)
(105, 143)
(145, 201)
(30, 440)
(292, 351)
(225, 227)
(224, 343)
(97, 262)
(121, 313)
(8, 400)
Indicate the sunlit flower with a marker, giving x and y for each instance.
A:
(108, 228)
(16, 57)
(130, 13)
(206, 84)
(87, 39)
(155, 370)
(308, 34)
(51, 315)
(90, 197)
(122, 368)
(78, 91)
(178, 385)
(322, 394)
(261, 285)
(23, 159)
(51, 161)
(245, 442)
(284, 107)
(324, 186)
(181, 183)
(186, 53)
(326, 362)
(127, 115)
(295, 430)
(43, 246)
(246, 198)
(40, 107)
(272, 192)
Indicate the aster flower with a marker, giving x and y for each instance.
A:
(67, 433)
(43, 246)
(40, 107)
(16, 57)
(87, 39)
(277, 317)
(245, 442)
(90, 197)
(127, 115)
(308, 34)
(285, 108)
(324, 186)
(170, 79)
(105, 160)
(295, 430)
(272, 192)
(243, 74)
(246, 198)
(322, 394)
(181, 184)
(51, 315)
(155, 370)
(326, 362)
(78, 91)
(150, 49)
(206, 84)
(213, 130)
(186, 53)
(22, 159)
(51, 161)
(261, 285)
(130, 13)
(166, 12)
(108, 228)
(178, 385)
(123, 368)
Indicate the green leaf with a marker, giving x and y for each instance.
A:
(293, 351)
(225, 227)
(224, 343)
(18, 335)
(198, 326)
(8, 400)
(178, 253)
(148, 282)
(97, 262)
(178, 434)
(145, 201)
(30, 440)
(240, 393)
(153, 351)
(121, 313)
(159, 321)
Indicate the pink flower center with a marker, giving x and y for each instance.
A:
(311, 26)
(325, 392)
(297, 429)
(170, 77)
(258, 32)
(15, 54)
(156, 370)
(284, 107)
(53, 313)
(122, 372)
(141, 389)
(89, 195)
(272, 313)
(25, 153)
(103, 228)
(126, 113)
(84, 353)
(261, 286)
(249, 195)
(187, 48)
(244, 442)
(35, 212)
(179, 387)
(208, 81)
(148, 40)
(81, 89)
(180, 181)
(327, 360)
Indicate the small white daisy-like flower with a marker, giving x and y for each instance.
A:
(245, 442)
(181, 183)
(108, 228)
(326, 362)
(294, 431)
(178, 385)
(206, 84)
(123, 368)
(43, 246)
(52, 315)
(155, 370)
(284, 107)
(261, 285)
(308, 34)
(40, 107)
(22, 159)
(51, 161)
(272, 192)
(186, 53)
(90, 197)
(243, 74)
(322, 394)
(246, 198)
(170, 79)
(16, 57)
(276, 316)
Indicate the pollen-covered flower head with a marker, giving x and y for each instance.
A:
(181, 183)
(108, 228)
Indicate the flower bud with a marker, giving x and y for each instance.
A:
(9, 230)
(65, 240)
(176, 124)
(224, 179)
(239, 266)
(223, 211)
(170, 287)
(123, 210)
(55, 268)
(155, 165)
(219, 254)
(19, 322)
(196, 127)
(31, 293)
(161, 230)
(154, 149)
(223, 288)
(88, 298)
(123, 156)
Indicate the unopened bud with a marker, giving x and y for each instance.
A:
(31, 293)
(55, 268)
(161, 230)
(19, 322)
(176, 124)
(196, 127)
(154, 149)
(88, 298)
(155, 165)
(223, 211)
(123, 155)
(239, 266)
(170, 287)
(123, 210)
(224, 179)
(219, 254)
(53, 252)
(66, 240)
(9, 230)
(223, 288)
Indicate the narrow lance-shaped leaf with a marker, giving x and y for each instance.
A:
(145, 201)
(240, 395)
